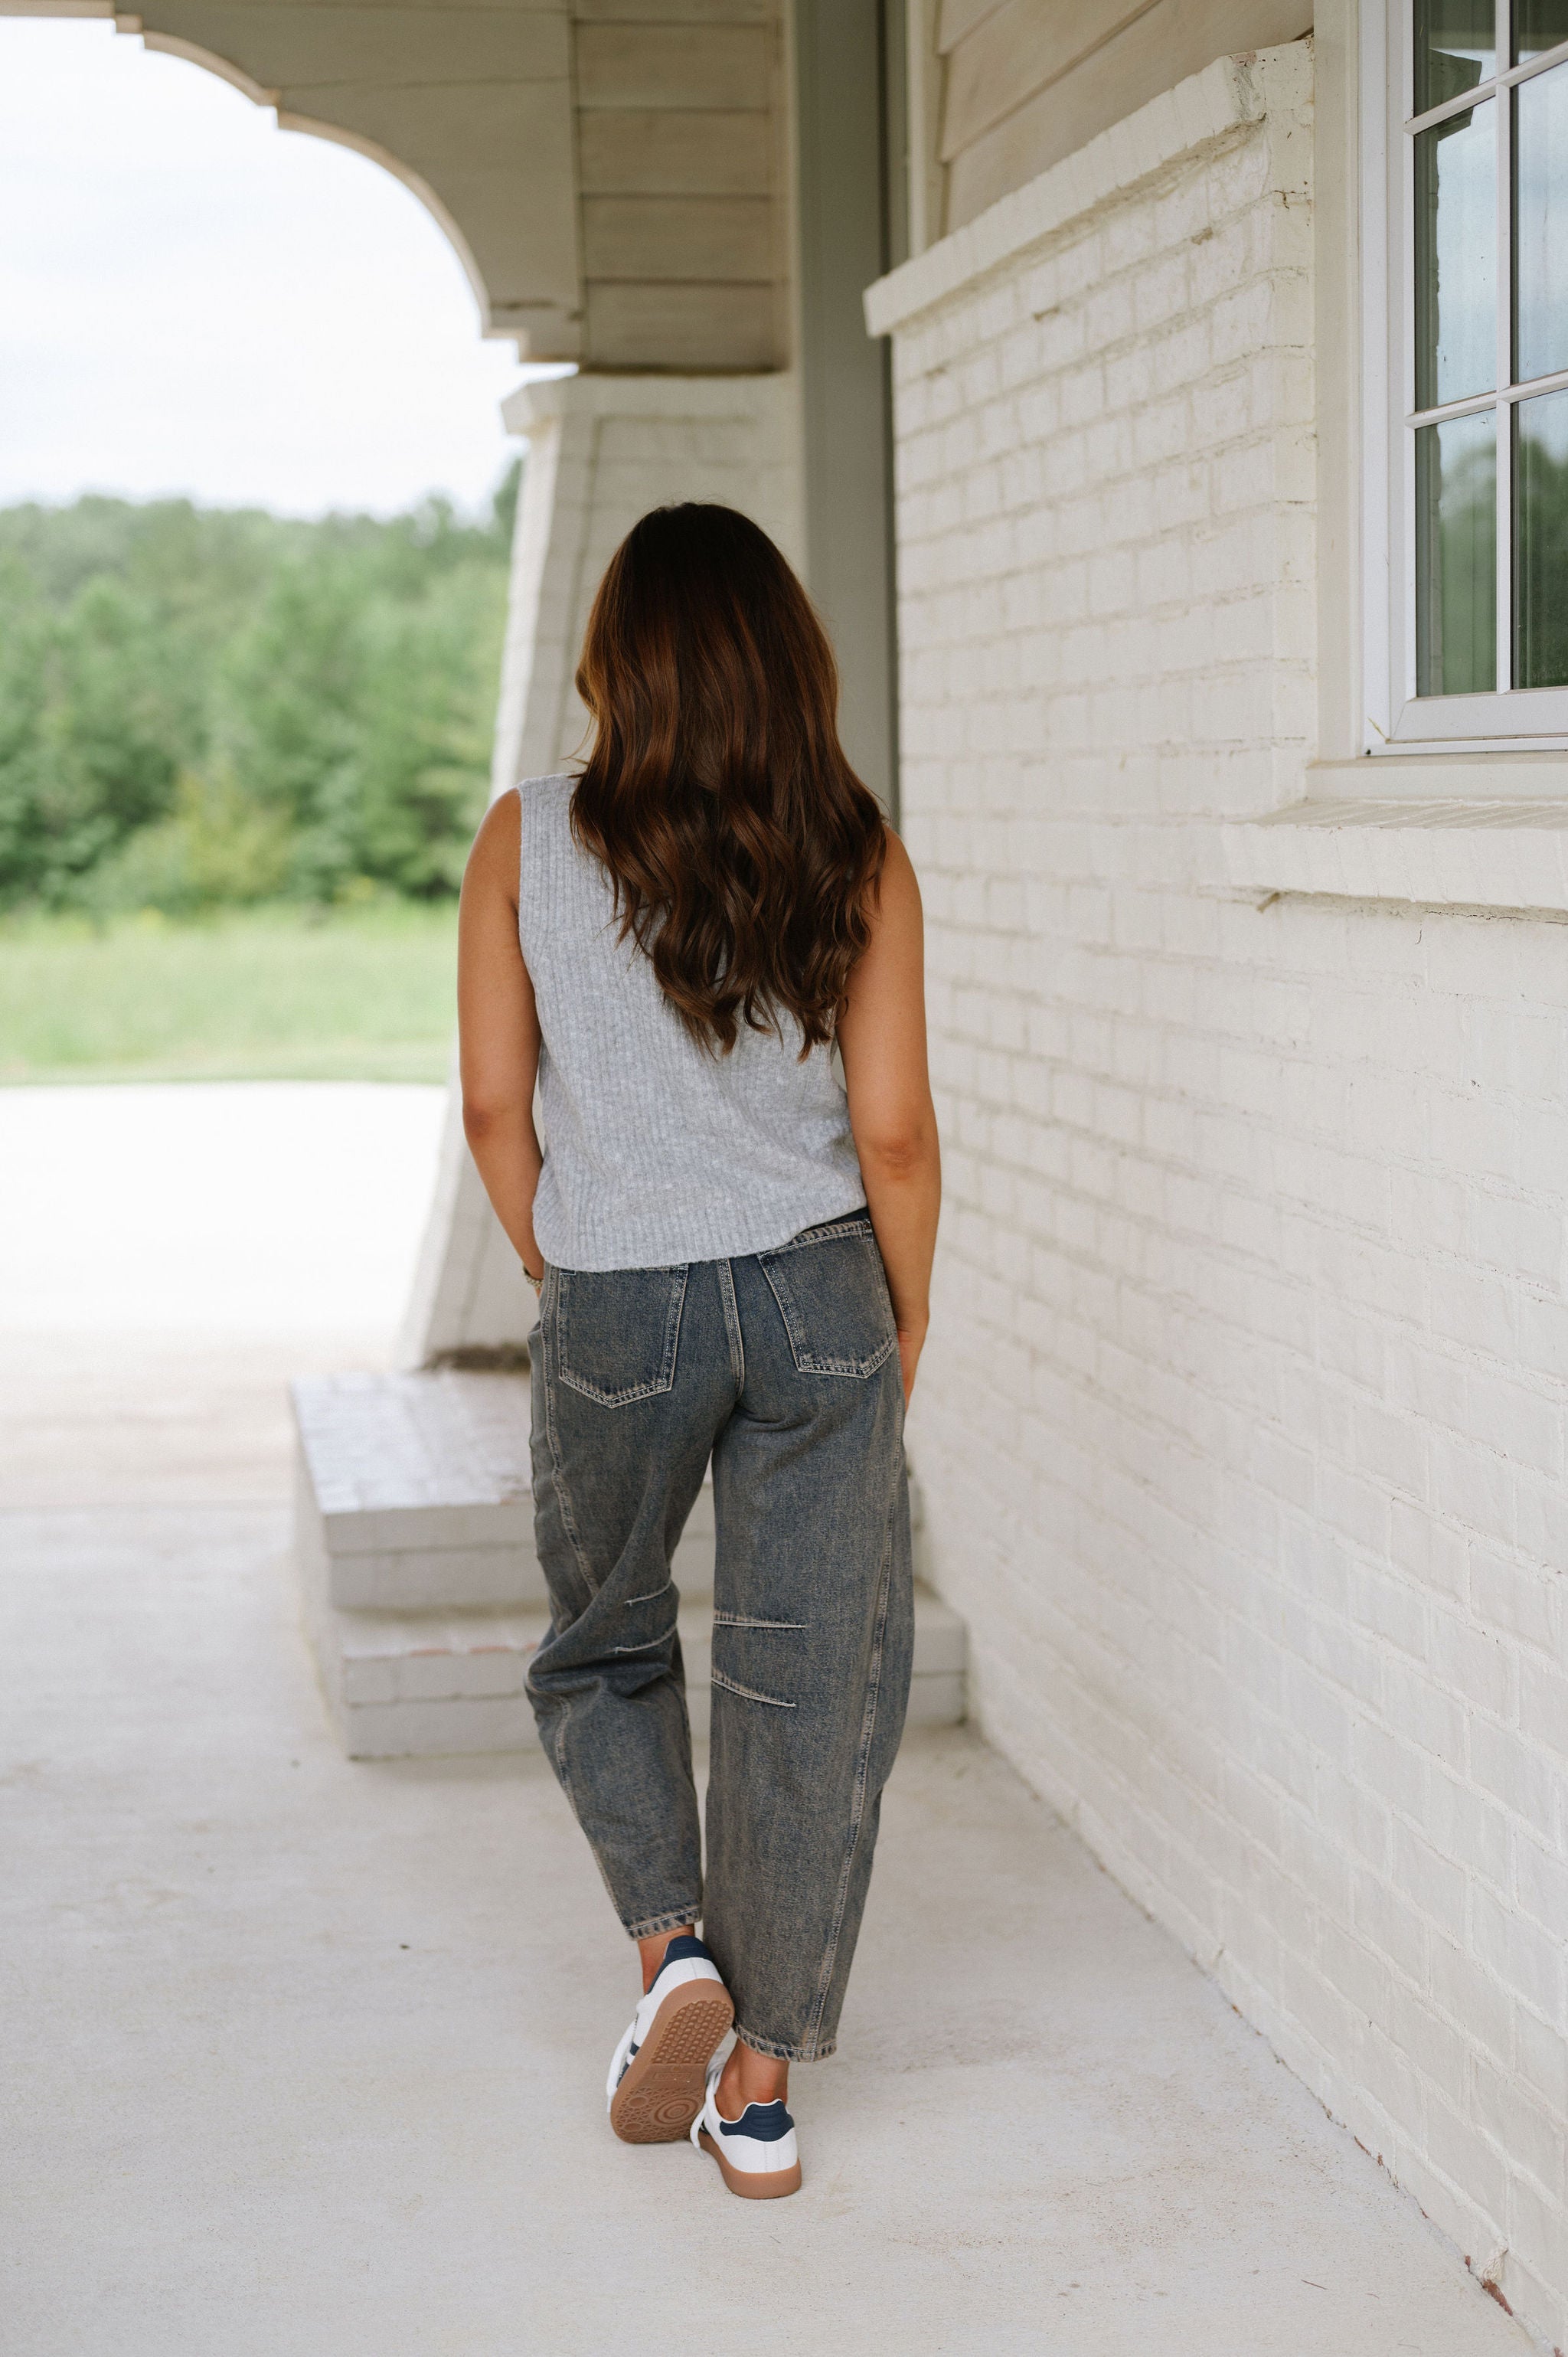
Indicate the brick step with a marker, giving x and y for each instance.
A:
(402, 1685)
(423, 1597)
(413, 1494)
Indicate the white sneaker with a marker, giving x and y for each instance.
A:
(655, 2088)
(757, 2154)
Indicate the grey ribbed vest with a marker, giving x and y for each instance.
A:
(655, 1151)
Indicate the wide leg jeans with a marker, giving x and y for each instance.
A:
(782, 1367)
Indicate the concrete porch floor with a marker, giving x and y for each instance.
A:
(307, 2057)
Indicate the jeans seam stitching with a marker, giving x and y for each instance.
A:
(857, 1806)
(647, 1927)
(601, 1398)
(674, 1316)
(863, 1369)
(733, 1335)
(568, 1519)
(649, 1643)
(738, 1620)
(786, 1312)
(776, 2047)
(749, 1694)
(569, 1524)
(862, 1227)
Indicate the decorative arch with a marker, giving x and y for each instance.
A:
(470, 109)
(173, 46)
(617, 191)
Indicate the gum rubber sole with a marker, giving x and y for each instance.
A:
(666, 2081)
(753, 2185)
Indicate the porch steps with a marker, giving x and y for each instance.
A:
(423, 1595)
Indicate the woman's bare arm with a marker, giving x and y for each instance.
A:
(498, 1030)
(882, 1040)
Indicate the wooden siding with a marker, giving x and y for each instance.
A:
(673, 65)
(680, 154)
(1027, 82)
(297, 47)
(662, 238)
(658, 153)
(691, 329)
(611, 171)
(1017, 50)
(675, 12)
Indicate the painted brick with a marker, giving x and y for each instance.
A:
(1242, 1430)
(1543, 1712)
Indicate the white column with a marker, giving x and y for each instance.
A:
(602, 451)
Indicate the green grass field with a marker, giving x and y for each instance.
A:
(265, 993)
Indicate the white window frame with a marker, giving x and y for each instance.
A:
(1511, 719)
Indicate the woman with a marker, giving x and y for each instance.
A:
(732, 1249)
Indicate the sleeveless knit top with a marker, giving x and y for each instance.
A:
(656, 1152)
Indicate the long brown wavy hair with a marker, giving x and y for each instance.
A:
(743, 851)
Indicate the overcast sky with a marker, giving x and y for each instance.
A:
(192, 300)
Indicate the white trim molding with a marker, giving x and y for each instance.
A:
(1226, 100)
(1510, 857)
(1399, 720)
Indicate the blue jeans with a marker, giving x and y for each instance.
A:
(783, 1368)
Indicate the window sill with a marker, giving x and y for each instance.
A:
(1438, 850)
(1474, 773)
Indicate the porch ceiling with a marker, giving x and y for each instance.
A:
(610, 170)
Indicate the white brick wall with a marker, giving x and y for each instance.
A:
(1242, 1425)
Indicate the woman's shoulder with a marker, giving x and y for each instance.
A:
(899, 888)
(518, 829)
(496, 842)
(527, 797)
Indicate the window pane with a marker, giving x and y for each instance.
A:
(1456, 556)
(1538, 25)
(1455, 47)
(1455, 258)
(1540, 225)
(1541, 541)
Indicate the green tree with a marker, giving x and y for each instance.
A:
(26, 630)
(97, 716)
(199, 706)
(418, 780)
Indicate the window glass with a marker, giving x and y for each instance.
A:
(1455, 47)
(1456, 556)
(1486, 283)
(1455, 257)
(1541, 222)
(1541, 541)
(1539, 26)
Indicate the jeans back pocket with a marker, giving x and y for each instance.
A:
(832, 1291)
(617, 1331)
